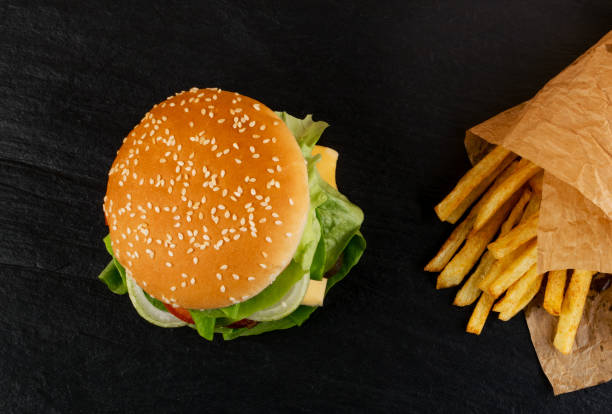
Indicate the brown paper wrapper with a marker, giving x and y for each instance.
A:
(590, 363)
(567, 130)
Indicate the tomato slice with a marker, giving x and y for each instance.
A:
(181, 313)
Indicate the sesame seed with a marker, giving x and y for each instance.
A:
(184, 275)
(250, 278)
(195, 260)
(288, 234)
(235, 276)
(256, 106)
(168, 264)
(222, 288)
(192, 281)
(173, 288)
(269, 239)
(263, 266)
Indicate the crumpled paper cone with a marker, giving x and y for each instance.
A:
(567, 130)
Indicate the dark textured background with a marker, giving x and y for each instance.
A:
(398, 81)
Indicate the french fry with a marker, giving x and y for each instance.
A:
(475, 245)
(451, 245)
(480, 314)
(532, 207)
(572, 309)
(516, 213)
(516, 291)
(470, 290)
(515, 270)
(553, 295)
(498, 267)
(507, 167)
(532, 290)
(511, 185)
(518, 236)
(460, 233)
(536, 182)
(480, 172)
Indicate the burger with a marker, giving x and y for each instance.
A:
(224, 216)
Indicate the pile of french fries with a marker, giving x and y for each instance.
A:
(500, 230)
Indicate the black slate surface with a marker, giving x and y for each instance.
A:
(398, 81)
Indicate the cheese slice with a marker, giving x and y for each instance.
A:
(327, 164)
(315, 293)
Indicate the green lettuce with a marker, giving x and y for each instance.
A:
(113, 274)
(306, 131)
(111, 277)
(331, 235)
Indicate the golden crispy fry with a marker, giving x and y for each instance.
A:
(553, 296)
(451, 245)
(497, 268)
(507, 167)
(571, 310)
(518, 236)
(536, 182)
(470, 291)
(480, 314)
(510, 186)
(488, 166)
(516, 213)
(516, 291)
(526, 258)
(461, 232)
(475, 245)
(532, 207)
(532, 290)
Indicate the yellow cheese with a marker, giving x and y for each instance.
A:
(327, 164)
(315, 293)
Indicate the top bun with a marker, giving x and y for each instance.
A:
(207, 199)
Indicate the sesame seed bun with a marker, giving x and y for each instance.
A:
(207, 199)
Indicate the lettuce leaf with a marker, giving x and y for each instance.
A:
(339, 219)
(115, 284)
(111, 277)
(205, 325)
(306, 131)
